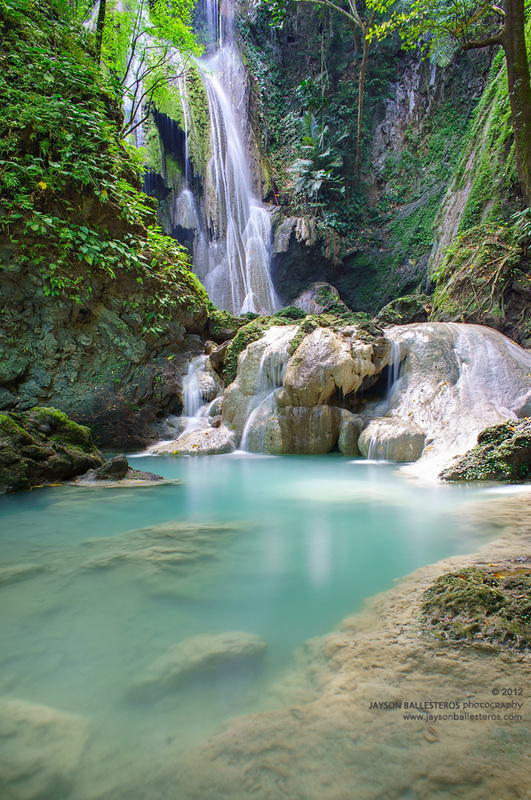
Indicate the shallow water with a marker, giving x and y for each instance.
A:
(294, 545)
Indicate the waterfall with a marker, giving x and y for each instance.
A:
(232, 241)
(192, 391)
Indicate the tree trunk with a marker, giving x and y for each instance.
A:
(99, 29)
(518, 80)
(512, 39)
(361, 90)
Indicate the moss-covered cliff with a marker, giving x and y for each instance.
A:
(100, 310)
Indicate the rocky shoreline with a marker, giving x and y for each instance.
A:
(387, 707)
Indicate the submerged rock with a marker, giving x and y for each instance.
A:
(199, 654)
(40, 753)
(503, 453)
(43, 446)
(157, 547)
(392, 439)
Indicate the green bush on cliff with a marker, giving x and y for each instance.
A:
(70, 203)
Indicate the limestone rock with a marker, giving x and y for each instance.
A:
(349, 434)
(318, 297)
(206, 441)
(199, 654)
(392, 439)
(295, 429)
(40, 753)
(325, 362)
(503, 452)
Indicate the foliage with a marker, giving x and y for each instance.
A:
(439, 27)
(475, 274)
(69, 201)
(139, 45)
(316, 173)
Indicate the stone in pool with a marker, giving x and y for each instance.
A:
(198, 655)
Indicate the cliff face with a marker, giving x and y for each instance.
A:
(99, 310)
(373, 241)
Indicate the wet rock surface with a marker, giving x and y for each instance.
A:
(43, 446)
(40, 753)
(345, 722)
(503, 453)
(392, 439)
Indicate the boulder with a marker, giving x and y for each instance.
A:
(326, 362)
(349, 434)
(206, 441)
(503, 453)
(319, 297)
(392, 439)
(196, 656)
(294, 429)
(43, 446)
(117, 469)
(40, 753)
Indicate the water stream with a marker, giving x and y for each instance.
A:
(98, 584)
(232, 229)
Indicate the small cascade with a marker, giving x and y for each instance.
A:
(455, 380)
(395, 362)
(269, 380)
(192, 391)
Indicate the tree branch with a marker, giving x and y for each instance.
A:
(488, 42)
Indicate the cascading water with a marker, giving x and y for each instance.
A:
(269, 381)
(231, 250)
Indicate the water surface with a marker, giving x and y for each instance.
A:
(297, 543)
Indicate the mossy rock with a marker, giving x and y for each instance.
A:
(41, 446)
(503, 453)
(405, 310)
(478, 605)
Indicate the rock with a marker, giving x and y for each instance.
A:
(7, 399)
(157, 547)
(320, 297)
(197, 655)
(324, 363)
(503, 453)
(260, 370)
(207, 441)
(349, 433)
(392, 439)
(411, 308)
(40, 753)
(43, 446)
(217, 356)
(117, 469)
(295, 429)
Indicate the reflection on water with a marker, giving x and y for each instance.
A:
(105, 590)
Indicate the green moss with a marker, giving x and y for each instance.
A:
(200, 119)
(59, 428)
(153, 147)
(172, 172)
(222, 324)
(480, 605)
(475, 274)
